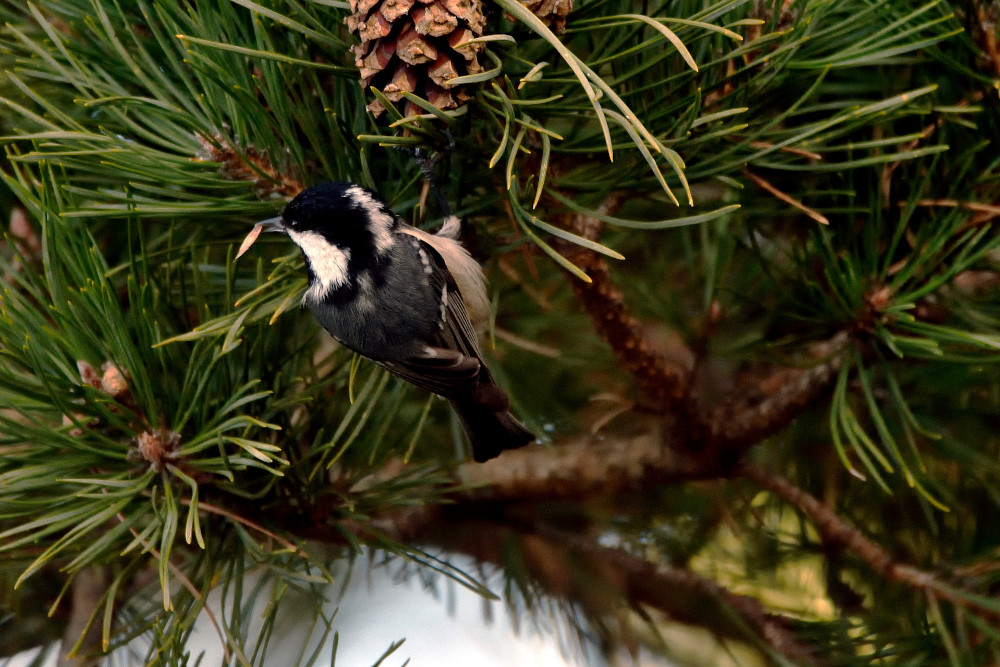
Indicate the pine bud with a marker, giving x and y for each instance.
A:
(113, 381)
(158, 447)
(88, 375)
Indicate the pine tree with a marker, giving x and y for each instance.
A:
(746, 276)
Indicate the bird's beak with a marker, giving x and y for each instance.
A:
(269, 225)
(275, 224)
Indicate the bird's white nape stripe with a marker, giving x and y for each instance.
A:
(328, 263)
(380, 221)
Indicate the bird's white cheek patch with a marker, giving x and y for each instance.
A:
(327, 261)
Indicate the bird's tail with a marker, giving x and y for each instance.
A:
(490, 431)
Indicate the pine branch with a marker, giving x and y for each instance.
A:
(648, 456)
(741, 421)
(836, 532)
(571, 565)
(774, 400)
(684, 595)
(661, 383)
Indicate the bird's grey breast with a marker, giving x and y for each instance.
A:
(393, 308)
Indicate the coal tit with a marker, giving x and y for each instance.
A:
(406, 299)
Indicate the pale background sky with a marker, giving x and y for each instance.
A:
(446, 627)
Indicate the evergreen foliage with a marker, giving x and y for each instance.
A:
(795, 185)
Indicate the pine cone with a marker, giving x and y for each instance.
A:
(552, 12)
(416, 46)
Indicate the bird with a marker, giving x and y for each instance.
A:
(404, 298)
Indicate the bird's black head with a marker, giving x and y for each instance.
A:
(346, 234)
(345, 214)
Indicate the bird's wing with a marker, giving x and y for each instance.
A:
(451, 364)
(447, 373)
(465, 271)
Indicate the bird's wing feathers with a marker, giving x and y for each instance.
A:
(451, 364)
(448, 373)
(466, 271)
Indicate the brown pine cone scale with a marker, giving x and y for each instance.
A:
(416, 46)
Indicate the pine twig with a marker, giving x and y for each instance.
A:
(837, 532)
(747, 418)
(681, 594)
(740, 422)
(249, 164)
(583, 467)
(662, 382)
